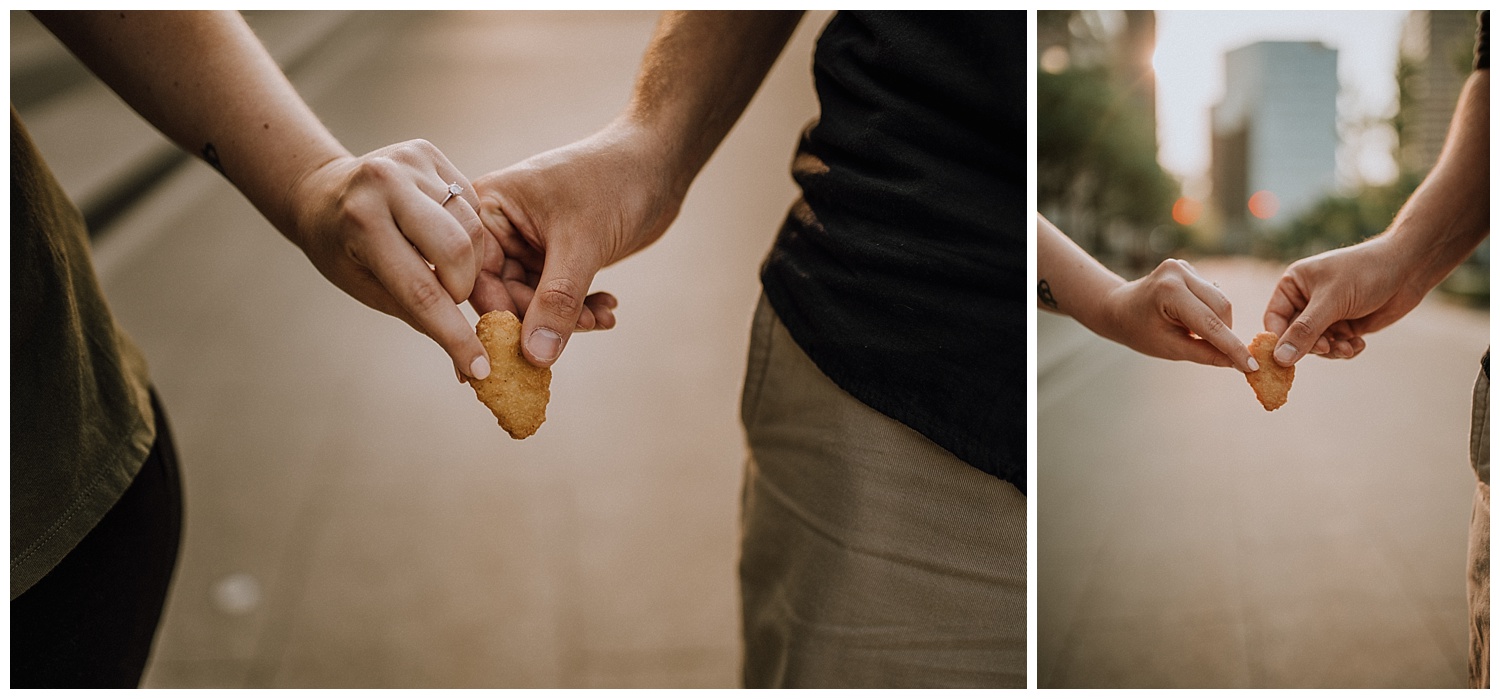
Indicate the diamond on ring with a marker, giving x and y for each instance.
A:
(453, 189)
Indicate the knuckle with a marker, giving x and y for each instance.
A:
(561, 296)
(1213, 324)
(426, 295)
(1302, 327)
(376, 171)
(455, 248)
(416, 151)
(352, 214)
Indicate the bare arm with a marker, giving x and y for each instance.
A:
(697, 76)
(208, 84)
(1170, 313)
(1326, 304)
(1449, 214)
(370, 224)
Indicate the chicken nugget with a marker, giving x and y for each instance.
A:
(1272, 381)
(515, 391)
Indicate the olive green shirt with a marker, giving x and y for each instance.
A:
(81, 422)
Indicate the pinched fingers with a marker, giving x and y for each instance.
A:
(1305, 334)
(422, 245)
(513, 287)
(1206, 312)
(425, 302)
(1342, 342)
(1186, 301)
(1307, 325)
(598, 307)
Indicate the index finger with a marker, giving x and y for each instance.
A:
(415, 287)
(1196, 313)
(1287, 300)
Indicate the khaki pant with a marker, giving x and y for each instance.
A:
(1479, 538)
(870, 556)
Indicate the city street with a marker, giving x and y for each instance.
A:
(355, 517)
(1188, 538)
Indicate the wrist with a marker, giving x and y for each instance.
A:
(662, 149)
(305, 198)
(1098, 309)
(1416, 256)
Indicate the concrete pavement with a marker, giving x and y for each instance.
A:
(1188, 538)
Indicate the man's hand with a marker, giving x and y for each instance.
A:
(377, 226)
(556, 219)
(559, 217)
(1325, 304)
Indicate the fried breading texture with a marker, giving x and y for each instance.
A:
(1272, 381)
(515, 391)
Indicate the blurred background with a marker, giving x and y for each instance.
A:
(1188, 538)
(355, 517)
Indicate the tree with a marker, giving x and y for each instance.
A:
(1096, 155)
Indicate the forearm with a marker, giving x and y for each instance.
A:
(1069, 280)
(1448, 216)
(698, 75)
(206, 82)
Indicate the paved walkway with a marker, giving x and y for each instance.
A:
(1188, 538)
(355, 518)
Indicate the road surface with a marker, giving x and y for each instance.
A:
(1188, 538)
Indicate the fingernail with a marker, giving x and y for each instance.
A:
(1254, 365)
(480, 368)
(1285, 353)
(545, 344)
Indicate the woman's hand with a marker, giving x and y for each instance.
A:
(383, 228)
(1174, 313)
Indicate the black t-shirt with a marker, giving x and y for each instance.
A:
(902, 270)
(1482, 42)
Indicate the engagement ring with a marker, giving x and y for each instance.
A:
(453, 189)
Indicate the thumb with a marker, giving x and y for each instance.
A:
(554, 310)
(1303, 333)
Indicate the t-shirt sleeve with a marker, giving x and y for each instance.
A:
(1482, 42)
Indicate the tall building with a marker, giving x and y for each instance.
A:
(1437, 51)
(1134, 51)
(1275, 135)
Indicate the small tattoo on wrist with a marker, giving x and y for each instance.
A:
(1044, 294)
(211, 156)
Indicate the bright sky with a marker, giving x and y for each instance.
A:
(1190, 48)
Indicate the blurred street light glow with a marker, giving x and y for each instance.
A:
(1185, 211)
(1264, 205)
(1055, 59)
